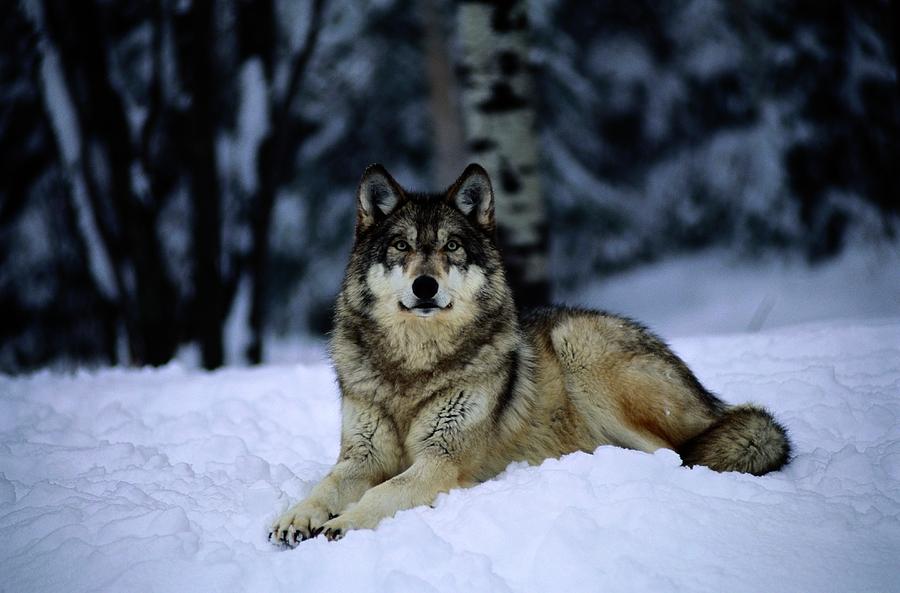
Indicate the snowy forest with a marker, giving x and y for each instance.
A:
(181, 174)
(179, 184)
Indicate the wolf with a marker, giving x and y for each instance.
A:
(443, 384)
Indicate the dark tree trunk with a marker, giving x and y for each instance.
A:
(443, 99)
(259, 259)
(197, 59)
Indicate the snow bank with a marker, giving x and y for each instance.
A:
(167, 480)
(713, 292)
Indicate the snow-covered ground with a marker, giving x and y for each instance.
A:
(167, 480)
(714, 292)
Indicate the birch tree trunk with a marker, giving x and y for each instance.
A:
(499, 119)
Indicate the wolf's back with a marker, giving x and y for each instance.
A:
(745, 438)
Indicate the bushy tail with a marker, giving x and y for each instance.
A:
(744, 439)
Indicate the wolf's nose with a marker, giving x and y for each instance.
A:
(425, 287)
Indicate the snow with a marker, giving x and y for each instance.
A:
(714, 292)
(253, 123)
(166, 480)
(59, 106)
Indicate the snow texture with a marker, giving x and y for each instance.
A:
(735, 296)
(166, 480)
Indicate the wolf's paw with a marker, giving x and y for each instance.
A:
(336, 528)
(300, 522)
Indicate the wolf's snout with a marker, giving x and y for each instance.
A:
(425, 287)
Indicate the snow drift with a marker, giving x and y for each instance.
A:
(166, 480)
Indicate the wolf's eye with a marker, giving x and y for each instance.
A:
(451, 246)
(401, 245)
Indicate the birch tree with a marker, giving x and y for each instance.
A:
(500, 122)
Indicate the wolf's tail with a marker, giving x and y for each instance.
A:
(744, 439)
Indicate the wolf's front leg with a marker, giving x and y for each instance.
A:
(443, 436)
(370, 453)
(344, 484)
(427, 477)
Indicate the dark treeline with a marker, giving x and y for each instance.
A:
(680, 125)
(170, 170)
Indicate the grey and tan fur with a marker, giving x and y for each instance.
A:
(443, 385)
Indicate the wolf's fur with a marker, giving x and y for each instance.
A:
(448, 395)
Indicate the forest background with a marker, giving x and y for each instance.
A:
(171, 169)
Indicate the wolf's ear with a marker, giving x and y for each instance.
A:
(473, 195)
(378, 195)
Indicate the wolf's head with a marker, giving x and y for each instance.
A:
(423, 263)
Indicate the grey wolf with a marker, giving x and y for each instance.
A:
(443, 384)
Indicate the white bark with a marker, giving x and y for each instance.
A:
(499, 117)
